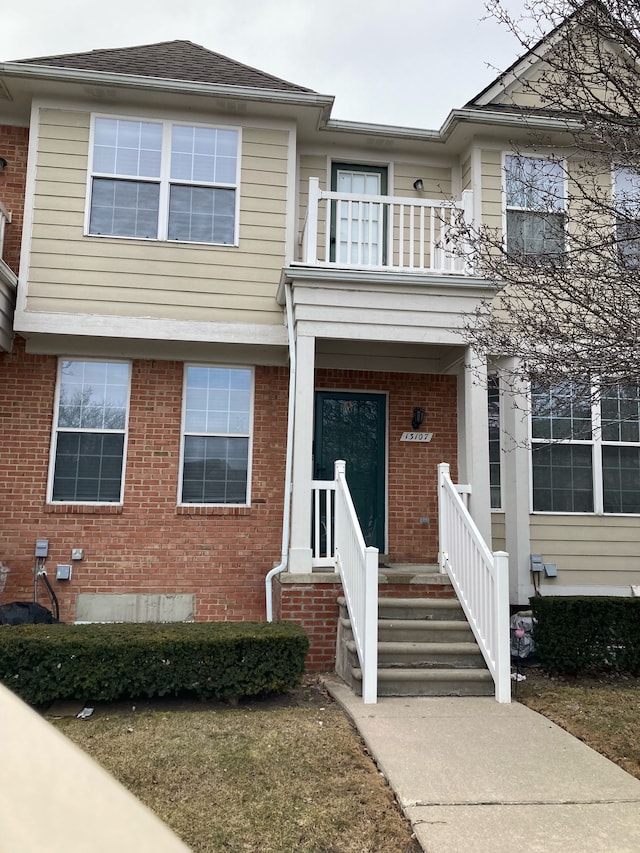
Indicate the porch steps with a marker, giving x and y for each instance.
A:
(425, 648)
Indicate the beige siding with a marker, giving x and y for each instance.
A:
(498, 534)
(466, 174)
(491, 180)
(589, 550)
(311, 166)
(148, 278)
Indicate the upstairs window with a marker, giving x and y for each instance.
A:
(626, 193)
(164, 181)
(89, 432)
(535, 209)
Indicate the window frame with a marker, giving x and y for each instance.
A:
(493, 386)
(184, 433)
(562, 257)
(597, 444)
(56, 430)
(164, 181)
(631, 260)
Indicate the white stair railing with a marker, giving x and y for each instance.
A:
(480, 579)
(357, 565)
(338, 543)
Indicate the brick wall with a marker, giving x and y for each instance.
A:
(412, 485)
(14, 143)
(148, 544)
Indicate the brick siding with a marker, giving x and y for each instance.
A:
(14, 143)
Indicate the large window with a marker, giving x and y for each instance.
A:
(217, 431)
(586, 449)
(164, 181)
(535, 208)
(626, 191)
(89, 432)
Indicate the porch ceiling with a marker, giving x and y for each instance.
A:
(387, 356)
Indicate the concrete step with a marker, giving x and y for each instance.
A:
(427, 655)
(420, 608)
(416, 631)
(429, 682)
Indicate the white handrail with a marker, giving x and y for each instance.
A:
(357, 565)
(480, 579)
(385, 232)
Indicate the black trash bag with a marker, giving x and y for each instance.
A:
(25, 613)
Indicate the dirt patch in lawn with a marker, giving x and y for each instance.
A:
(281, 773)
(603, 712)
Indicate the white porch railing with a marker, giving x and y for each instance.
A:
(480, 579)
(385, 232)
(338, 542)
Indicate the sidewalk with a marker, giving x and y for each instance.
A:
(471, 774)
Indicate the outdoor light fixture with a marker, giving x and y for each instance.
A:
(418, 185)
(3, 163)
(418, 417)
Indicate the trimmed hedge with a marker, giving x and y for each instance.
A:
(221, 660)
(576, 636)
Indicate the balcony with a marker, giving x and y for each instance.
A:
(386, 233)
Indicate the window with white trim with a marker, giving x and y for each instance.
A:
(163, 180)
(626, 194)
(90, 427)
(493, 405)
(218, 403)
(535, 208)
(586, 449)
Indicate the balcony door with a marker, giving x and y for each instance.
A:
(358, 229)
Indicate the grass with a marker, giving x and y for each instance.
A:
(281, 779)
(602, 712)
(292, 774)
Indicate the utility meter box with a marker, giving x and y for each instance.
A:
(42, 547)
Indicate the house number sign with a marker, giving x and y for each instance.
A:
(421, 437)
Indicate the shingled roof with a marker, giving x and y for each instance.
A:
(171, 60)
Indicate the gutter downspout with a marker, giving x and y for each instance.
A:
(286, 519)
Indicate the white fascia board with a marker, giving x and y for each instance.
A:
(110, 326)
(134, 81)
(381, 279)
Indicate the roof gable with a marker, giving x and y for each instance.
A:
(172, 60)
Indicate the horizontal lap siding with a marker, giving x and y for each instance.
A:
(491, 177)
(589, 550)
(146, 278)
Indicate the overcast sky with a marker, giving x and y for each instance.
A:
(404, 62)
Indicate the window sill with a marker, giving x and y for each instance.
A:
(198, 509)
(83, 509)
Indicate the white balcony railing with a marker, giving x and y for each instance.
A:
(385, 232)
(338, 543)
(480, 579)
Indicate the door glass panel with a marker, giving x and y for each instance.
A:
(351, 426)
(357, 227)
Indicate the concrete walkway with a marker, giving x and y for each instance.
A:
(471, 774)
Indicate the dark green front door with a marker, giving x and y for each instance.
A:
(351, 426)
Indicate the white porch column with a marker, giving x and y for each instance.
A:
(515, 485)
(300, 541)
(473, 439)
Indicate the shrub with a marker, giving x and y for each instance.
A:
(581, 635)
(42, 663)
